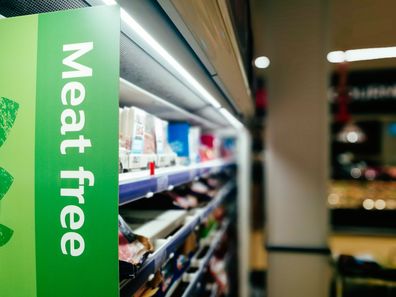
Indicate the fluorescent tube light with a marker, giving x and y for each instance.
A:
(230, 118)
(109, 2)
(336, 57)
(135, 26)
(262, 62)
(363, 54)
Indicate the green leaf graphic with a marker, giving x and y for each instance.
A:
(5, 234)
(8, 112)
(6, 181)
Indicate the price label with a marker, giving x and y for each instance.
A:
(160, 259)
(162, 183)
(193, 173)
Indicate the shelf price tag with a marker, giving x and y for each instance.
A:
(162, 183)
(193, 174)
(160, 259)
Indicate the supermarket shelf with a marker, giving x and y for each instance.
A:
(140, 184)
(173, 287)
(215, 289)
(167, 250)
(133, 95)
(204, 262)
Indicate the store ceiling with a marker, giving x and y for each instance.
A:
(352, 24)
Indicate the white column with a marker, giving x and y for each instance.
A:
(297, 148)
(243, 205)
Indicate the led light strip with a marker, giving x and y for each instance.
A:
(138, 29)
(363, 54)
(164, 54)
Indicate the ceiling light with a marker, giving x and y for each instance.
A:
(109, 2)
(363, 54)
(368, 204)
(336, 57)
(139, 30)
(351, 133)
(380, 204)
(262, 62)
(356, 172)
(333, 199)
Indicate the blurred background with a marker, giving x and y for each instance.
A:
(325, 89)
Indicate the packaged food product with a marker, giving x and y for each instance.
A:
(218, 270)
(133, 249)
(159, 136)
(140, 139)
(135, 130)
(123, 153)
(149, 142)
(194, 138)
(165, 155)
(178, 140)
(210, 148)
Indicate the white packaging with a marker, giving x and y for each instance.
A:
(168, 157)
(149, 135)
(159, 136)
(123, 158)
(134, 137)
(122, 152)
(123, 133)
(194, 139)
(135, 130)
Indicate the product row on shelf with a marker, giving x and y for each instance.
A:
(140, 184)
(170, 244)
(148, 142)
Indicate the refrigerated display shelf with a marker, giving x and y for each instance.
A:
(173, 287)
(214, 290)
(140, 184)
(167, 250)
(197, 277)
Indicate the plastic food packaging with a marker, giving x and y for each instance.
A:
(149, 143)
(165, 156)
(178, 138)
(123, 140)
(194, 138)
(218, 270)
(140, 143)
(210, 147)
(133, 249)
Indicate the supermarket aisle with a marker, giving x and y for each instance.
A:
(116, 121)
(378, 248)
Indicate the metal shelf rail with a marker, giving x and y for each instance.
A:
(140, 184)
(195, 283)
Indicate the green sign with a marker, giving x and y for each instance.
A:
(59, 78)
